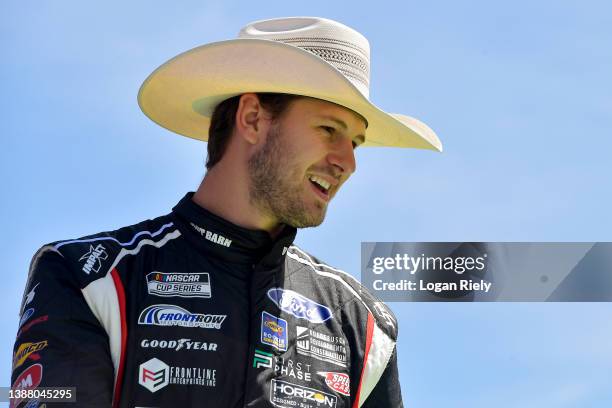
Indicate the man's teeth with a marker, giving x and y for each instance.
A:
(320, 182)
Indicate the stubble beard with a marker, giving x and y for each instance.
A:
(276, 186)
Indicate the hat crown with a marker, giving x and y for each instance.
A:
(339, 45)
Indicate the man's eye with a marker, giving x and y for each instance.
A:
(328, 129)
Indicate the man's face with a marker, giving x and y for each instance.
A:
(307, 155)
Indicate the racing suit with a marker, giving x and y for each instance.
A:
(190, 310)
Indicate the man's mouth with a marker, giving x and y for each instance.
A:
(321, 186)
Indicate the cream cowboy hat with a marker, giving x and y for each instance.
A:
(307, 56)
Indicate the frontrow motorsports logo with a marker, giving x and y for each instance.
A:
(321, 346)
(179, 284)
(172, 315)
(299, 306)
(155, 375)
(93, 259)
(284, 394)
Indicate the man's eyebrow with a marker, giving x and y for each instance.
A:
(335, 120)
(341, 124)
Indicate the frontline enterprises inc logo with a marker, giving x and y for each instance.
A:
(154, 375)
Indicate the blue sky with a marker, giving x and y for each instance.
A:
(519, 92)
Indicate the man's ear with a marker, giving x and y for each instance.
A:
(252, 120)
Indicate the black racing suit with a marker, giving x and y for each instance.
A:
(190, 310)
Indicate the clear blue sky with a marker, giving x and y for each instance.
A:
(519, 92)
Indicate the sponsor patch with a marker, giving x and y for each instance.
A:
(27, 326)
(29, 379)
(172, 315)
(28, 350)
(25, 316)
(93, 258)
(273, 331)
(283, 367)
(30, 295)
(339, 382)
(299, 306)
(321, 346)
(179, 284)
(262, 359)
(383, 312)
(155, 375)
(286, 367)
(284, 394)
(177, 345)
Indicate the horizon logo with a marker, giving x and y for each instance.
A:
(283, 394)
(153, 375)
(93, 258)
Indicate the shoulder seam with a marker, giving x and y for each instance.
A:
(327, 274)
(123, 244)
(311, 261)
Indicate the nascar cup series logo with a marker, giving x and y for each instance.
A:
(172, 315)
(299, 306)
(179, 284)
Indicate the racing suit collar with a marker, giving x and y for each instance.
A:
(221, 238)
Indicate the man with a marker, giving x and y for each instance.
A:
(212, 305)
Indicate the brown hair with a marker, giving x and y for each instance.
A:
(223, 120)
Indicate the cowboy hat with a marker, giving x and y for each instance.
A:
(308, 56)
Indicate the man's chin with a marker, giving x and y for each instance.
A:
(308, 221)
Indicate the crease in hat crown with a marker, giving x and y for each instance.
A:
(309, 56)
(339, 45)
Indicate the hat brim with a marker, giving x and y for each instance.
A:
(182, 93)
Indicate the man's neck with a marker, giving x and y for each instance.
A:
(225, 193)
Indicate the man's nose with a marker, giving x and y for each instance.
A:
(343, 157)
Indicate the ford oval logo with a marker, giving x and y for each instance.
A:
(299, 306)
